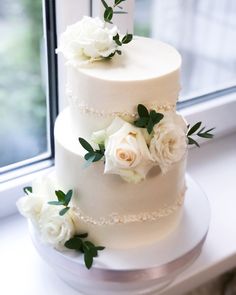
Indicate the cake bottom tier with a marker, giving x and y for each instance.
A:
(115, 213)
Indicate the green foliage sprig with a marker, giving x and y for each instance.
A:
(87, 248)
(108, 15)
(198, 131)
(92, 155)
(28, 189)
(62, 200)
(147, 119)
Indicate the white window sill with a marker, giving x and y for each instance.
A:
(213, 166)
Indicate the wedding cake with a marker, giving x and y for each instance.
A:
(120, 146)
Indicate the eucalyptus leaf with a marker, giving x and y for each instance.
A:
(60, 195)
(156, 117)
(194, 128)
(150, 126)
(91, 248)
(63, 211)
(98, 157)
(127, 38)
(82, 236)
(68, 197)
(205, 135)
(73, 244)
(27, 190)
(56, 203)
(88, 259)
(100, 248)
(104, 4)
(116, 38)
(108, 14)
(117, 2)
(142, 111)
(191, 141)
(120, 12)
(85, 144)
(141, 122)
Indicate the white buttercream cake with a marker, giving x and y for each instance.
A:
(114, 212)
(129, 185)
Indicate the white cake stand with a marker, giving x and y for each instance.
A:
(142, 270)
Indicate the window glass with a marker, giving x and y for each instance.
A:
(204, 33)
(23, 127)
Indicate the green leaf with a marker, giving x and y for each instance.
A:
(120, 12)
(118, 52)
(100, 248)
(82, 236)
(142, 111)
(104, 4)
(117, 2)
(156, 117)
(88, 258)
(63, 211)
(108, 14)
(60, 196)
(85, 145)
(141, 122)
(191, 141)
(68, 197)
(56, 203)
(127, 38)
(98, 157)
(205, 135)
(116, 38)
(150, 126)
(89, 157)
(27, 190)
(74, 243)
(91, 248)
(194, 128)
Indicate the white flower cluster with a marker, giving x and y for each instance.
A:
(53, 228)
(131, 152)
(87, 40)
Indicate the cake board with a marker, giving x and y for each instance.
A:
(137, 271)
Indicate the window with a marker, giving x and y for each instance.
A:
(204, 33)
(26, 113)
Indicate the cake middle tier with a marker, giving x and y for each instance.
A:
(147, 72)
(135, 214)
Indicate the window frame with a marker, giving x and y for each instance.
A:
(54, 22)
(23, 167)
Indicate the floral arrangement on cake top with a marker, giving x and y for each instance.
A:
(91, 39)
(131, 149)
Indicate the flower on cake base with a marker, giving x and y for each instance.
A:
(55, 229)
(87, 40)
(168, 144)
(126, 152)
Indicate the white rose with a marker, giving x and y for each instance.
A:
(30, 206)
(169, 142)
(126, 152)
(88, 39)
(55, 229)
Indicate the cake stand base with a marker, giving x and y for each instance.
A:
(137, 271)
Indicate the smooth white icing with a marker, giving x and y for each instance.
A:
(101, 195)
(148, 72)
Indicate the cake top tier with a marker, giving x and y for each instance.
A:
(141, 59)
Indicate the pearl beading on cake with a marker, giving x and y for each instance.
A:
(167, 107)
(115, 218)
